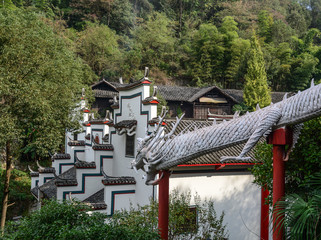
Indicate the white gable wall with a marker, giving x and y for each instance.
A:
(233, 193)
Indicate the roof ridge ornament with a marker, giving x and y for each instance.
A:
(155, 90)
(40, 167)
(146, 73)
(157, 151)
(31, 169)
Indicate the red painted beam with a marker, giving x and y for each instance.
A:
(214, 164)
(264, 214)
(163, 207)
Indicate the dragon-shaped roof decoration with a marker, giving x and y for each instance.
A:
(159, 151)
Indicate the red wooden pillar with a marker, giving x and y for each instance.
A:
(264, 215)
(163, 207)
(279, 138)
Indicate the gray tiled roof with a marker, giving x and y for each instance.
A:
(119, 181)
(212, 157)
(97, 201)
(177, 93)
(61, 156)
(97, 197)
(102, 147)
(104, 93)
(34, 174)
(84, 164)
(49, 189)
(76, 143)
(185, 94)
(46, 170)
(125, 124)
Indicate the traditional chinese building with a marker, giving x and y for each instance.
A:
(96, 165)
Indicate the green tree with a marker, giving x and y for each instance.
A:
(207, 55)
(39, 81)
(97, 45)
(256, 89)
(155, 40)
(265, 22)
(116, 14)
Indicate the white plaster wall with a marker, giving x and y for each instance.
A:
(42, 176)
(33, 181)
(64, 168)
(232, 193)
(121, 201)
(122, 164)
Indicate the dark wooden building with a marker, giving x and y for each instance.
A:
(195, 102)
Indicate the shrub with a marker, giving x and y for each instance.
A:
(185, 222)
(71, 221)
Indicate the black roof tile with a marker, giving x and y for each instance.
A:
(119, 181)
(49, 189)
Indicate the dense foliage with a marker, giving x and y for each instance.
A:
(20, 195)
(199, 221)
(193, 42)
(72, 221)
(60, 220)
(40, 82)
(300, 214)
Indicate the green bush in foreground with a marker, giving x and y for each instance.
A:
(62, 220)
(197, 222)
(67, 221)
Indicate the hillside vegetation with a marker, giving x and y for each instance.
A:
(196, 43)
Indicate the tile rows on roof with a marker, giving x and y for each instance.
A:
(177, 93)
(97, 197)
(125, 124)
(76, 143)
(84, 164)
(185, 94)
(98, 93)
(49, 189)
(119, 181)
(96, 201)
(46, 170)
(212, 157)
(34, 174)
(66, 182)
(185, 125)
(102, 147)
(61, 156)
(132, 85)
(99, 121)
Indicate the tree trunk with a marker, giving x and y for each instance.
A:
(6, 185)
(180, 14)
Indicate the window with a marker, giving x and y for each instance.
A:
(75, 136)
(130, 146)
